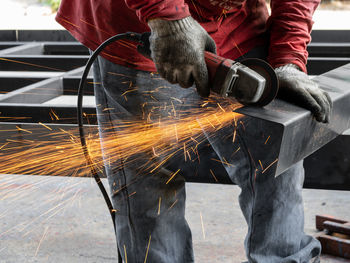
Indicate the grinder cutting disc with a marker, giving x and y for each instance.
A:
(265, 70)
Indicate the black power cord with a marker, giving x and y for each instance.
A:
(141, 40)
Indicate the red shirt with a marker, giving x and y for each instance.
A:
(236, 25)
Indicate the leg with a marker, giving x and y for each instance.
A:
(150, 214)
(273, 208)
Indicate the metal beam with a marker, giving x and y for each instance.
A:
(320, 65)
(41, 62)
(26, 49)
(294, 133)
(332, 36)
(328, 49)
(35, 113)
(35, 93)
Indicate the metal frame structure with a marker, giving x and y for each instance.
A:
(37, 66)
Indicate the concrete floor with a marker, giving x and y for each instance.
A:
(61, 219)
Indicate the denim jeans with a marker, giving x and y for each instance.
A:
(150, 217)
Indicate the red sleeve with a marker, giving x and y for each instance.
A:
(290, 25)
(165, 9)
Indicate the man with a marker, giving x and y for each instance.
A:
(150, 209)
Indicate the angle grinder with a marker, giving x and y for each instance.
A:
(252, 81)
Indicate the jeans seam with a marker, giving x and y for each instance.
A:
(123, 174)
(251, 183)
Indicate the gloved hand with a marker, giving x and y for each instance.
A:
(178, 51)
(298, 88)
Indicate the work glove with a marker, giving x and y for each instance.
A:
(177, 49)
(296, 87)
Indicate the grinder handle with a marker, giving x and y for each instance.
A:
(213, 62)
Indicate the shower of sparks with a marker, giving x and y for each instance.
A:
(146, 144)
(58, 151)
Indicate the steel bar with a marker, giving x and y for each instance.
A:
(335, 246)
(35, 35)
(26, 49)
(294, 133)
(71, 84)
(337, 227)
(41, 62)
(12, 82)
(64, 48)
(320, 219)
(318, 49)
(35, 113)
(36, 93)
(5, 45)
(320, 65)
(330, 36)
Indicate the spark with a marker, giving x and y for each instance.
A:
(159, 203)
(20, 129)
(267, 139)
(125, 256)
(42, 238)
(262, 168)
(203, 232)
(154, 152)
(222, 162)
(172, 205)
(47, 127)
(132, 194)
(54, 114)
(237, 150)
(221, 108)
(212, 173)
(6, 143)
(178, 100)
(172, 176)
(56, 151)
(30, 64)
(270, 165)
(128, 91)
(149, 242)
(234, 135)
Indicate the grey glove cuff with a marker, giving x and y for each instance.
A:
(168, 27)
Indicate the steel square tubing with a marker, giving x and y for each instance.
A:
(328, 49)
(294, 134)
(320, 65)
(41, 62)
(35, 113)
